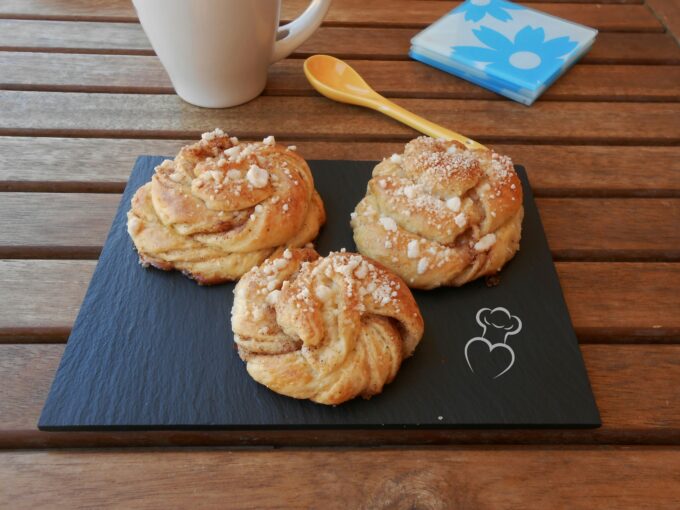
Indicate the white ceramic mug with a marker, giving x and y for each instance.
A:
(217, 52)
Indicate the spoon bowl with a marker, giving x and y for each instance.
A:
(337, 80)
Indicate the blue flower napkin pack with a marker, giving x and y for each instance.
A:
(505, 47)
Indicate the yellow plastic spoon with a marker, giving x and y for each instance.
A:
(337, 80)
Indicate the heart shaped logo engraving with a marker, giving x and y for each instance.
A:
(492, 358)
(489, 359)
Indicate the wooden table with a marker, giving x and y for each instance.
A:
(81, 95)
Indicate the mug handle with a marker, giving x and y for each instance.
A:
(293, 34)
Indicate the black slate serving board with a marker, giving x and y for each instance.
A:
(153, 350)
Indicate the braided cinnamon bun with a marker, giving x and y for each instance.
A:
(222, 206)
(326, 329)
(440, 214)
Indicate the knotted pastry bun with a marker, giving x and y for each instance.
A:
(325, 329)
(440, 214)
(221, 207)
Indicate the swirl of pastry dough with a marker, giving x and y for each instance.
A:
(325, 329)
(221, 207)
(440, 214)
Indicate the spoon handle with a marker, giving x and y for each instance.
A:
(423, 125)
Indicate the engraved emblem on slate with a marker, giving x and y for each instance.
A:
(489, 354)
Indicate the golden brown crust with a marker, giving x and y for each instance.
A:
(439, 214)
(325, 329)
(221, 207)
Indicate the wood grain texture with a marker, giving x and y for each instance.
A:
(81, 232)
(69, 72)
(344, 42)
(399, 13)
(42, 297)
(462, 477)
(120, 10)
(621, 228)
(71, 225)
(103, 165)
(634, 409)
(65, 35)
(633, 18)
(167, 116)
(610, 299)
(608, 302)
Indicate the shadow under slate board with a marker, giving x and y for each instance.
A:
(154, 350)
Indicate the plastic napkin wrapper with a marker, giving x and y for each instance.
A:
(502, 46)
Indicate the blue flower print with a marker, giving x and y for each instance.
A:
(475, 10)
(529, 58)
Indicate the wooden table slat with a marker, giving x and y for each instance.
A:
(70, 72)
(613, 16)
(344, 42)
(75, 226)
(463, 477)
(608, 302)
(634, 409)
(167, 116)
(103, 165)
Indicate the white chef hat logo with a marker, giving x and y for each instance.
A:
(495, 322)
